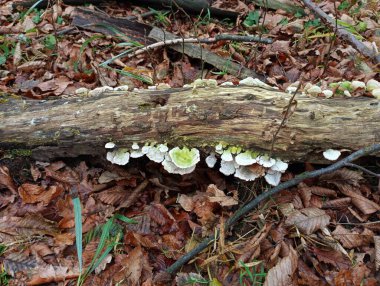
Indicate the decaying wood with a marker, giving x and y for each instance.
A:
(246, 116)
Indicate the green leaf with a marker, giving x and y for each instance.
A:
(125, 219)
(78, 231)
(252, 19)
(2, 60)
(50, 42)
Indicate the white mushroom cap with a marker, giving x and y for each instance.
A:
(155, 154)
(273, 177)
(227, 156)
(170, 167)
(184, 158)
(246, 174)
(135, 146)
(331, 154)
(110, 145)
(266, 162)
(227, 167)
(211, 160)
(280, 166)
(119, 157)
(245, 159)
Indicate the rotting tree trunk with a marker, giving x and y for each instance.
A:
(246, 116)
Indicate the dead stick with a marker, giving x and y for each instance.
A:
(223, 37)
(255, 202)
(343, 33)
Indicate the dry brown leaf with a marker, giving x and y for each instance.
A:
(337, 204)
(6, 180)
(376, 239)
(343, 176)
(48, 274)
(114, 196)
(16, 262)
(218, 196)
(26, 226)
(365, 205)
(349, 239)
(281, 274)
(308, 220)
(333, 257)
(31, 193)
(320, 191)
(136, 267)
(186, 202)
(305, 195)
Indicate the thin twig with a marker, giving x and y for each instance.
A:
(286, 116)
(222, 37)
(255, 202)
(363, 169)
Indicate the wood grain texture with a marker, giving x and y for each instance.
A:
(246, 116)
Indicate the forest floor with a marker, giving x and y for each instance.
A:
(137, 220)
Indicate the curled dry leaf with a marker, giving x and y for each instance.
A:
(377, 251)
(337, 204)
(6, 180)
(281, 274)
(365, 205)
(220, 197)
(349, 238)
(344, 175)
(31, 193)
(308, 220)
(320, 191)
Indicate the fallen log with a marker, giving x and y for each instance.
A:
(245, 116)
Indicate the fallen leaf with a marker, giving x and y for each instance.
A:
(308, 220)
(281, 274)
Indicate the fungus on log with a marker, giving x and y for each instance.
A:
(239, 116)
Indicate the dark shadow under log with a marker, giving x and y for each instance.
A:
(246, 116)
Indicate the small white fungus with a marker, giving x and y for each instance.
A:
(246, 174)
(328, 93)
(273, 177)
(110, 145)
(155, 155)
(373, 84)
(121, 88)
(227, 83)
(280, 166)
(227, 156)
(245, 159)
(355, 84)
(227, 167)
(135, 146)
(163, 148)
(171, 168)
(266, 162)
(211, 160)
(331, 154)
(119, 157)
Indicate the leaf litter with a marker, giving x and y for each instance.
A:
(323, 232)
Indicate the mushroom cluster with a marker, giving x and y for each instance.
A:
(246, 165)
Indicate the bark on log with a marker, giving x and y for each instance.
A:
(246, 116)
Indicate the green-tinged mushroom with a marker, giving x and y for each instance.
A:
(184, 158)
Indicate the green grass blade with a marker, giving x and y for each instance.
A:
(78, 230)
(125, 219)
